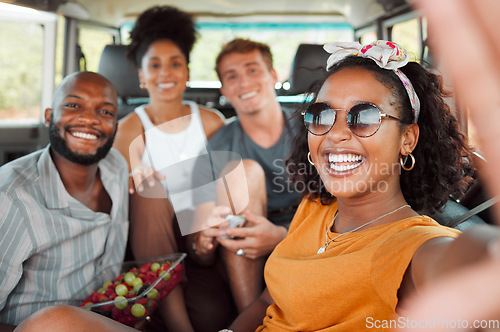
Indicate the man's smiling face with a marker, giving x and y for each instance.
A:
(82, 123)
(247, 82)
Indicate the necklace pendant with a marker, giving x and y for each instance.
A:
(182, 156)
(321, 250)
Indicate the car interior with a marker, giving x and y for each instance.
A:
(307, 66)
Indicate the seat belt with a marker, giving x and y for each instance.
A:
(480, 208)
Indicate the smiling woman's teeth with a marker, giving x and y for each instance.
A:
(344, 162)
(343, 168)
(165, 85)
(84, 135)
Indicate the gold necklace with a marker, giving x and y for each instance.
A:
(328, 241)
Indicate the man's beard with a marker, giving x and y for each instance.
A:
(60, 145)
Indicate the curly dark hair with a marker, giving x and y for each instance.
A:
(161, 22)
(443, 165)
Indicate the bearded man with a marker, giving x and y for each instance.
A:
(64, 209)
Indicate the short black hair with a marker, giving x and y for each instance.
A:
(161, 23)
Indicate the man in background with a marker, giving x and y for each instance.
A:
(259, 140)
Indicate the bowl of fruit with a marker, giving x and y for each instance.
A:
(131, 291)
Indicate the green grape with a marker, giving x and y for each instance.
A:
(165, 275)
(121, 305)
(106, 284)
(137, 282)
(137, 288)
(152, 294)
(129, 278)
(155, 267)
(121, 289)
(138, 310)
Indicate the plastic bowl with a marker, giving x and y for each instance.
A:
(118, 295)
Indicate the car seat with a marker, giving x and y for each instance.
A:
(308, 69)
(122, 73)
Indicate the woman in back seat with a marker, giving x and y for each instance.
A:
(161, 140)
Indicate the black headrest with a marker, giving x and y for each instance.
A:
(451, 212)
(122, 73)
(309, 67)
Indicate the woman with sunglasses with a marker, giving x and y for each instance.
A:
(382, 144)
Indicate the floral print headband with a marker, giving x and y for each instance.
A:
(386, 54)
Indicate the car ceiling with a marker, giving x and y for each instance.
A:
(116, 12)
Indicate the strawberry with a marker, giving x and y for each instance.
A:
(102, 298)
(145, 268)
(160, 285)
(85, 303)
(116, 313)
(126, 311)
(109, 292)
(96, 297)
(163, 293)
(108, 307)
(143, 301)
(152, 305)
(127, 319)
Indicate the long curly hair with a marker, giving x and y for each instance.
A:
(161, 22)
(443, 165)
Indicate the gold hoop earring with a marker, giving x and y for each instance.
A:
(143, 86)
(309, 158)
(403, 162)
